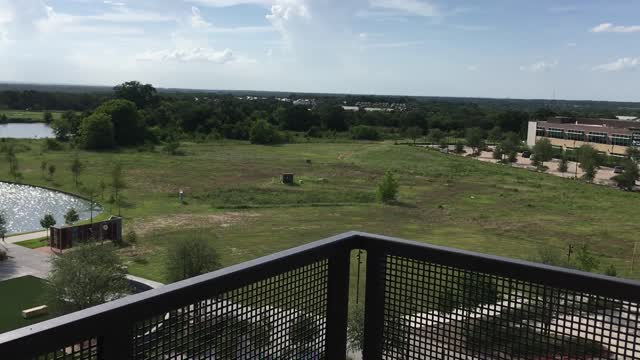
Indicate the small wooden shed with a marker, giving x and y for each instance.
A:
(64, 237)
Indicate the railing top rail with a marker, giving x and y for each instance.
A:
(185, 292)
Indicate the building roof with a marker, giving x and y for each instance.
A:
(608, 126)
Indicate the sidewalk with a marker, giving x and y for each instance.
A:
(29, 236)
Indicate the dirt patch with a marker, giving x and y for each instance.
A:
(183, 221)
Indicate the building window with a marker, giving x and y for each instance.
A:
(597, 137)
(622, 140)
(555, 133)
(540, 131)
(575, 135)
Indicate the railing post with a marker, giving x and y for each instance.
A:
(374, 305)
(117, 341)
(338, 305)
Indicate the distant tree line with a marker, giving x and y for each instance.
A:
(135, 113)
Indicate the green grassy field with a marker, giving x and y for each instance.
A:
(17, 295)
(34, 243)
(233, 193)
(28, 116)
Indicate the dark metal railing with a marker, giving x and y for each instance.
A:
(421, 302)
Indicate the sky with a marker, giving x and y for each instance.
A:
(567, 49)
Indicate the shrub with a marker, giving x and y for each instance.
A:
(172, 147)
(131, 237)
(563, 166)
(191, 256)
(364, 132)
(388, 188)
(97, 132)
(264, 133)
(459, 147)
(627, 180)
(52, 145)
(71, 216)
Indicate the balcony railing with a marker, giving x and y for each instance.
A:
(421, 302)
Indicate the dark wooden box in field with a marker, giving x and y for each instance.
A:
(287, 179)
(64, 237)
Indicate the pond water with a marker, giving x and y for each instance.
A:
(25, 131)
(23, 206)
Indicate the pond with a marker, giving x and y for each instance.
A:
(23, 206)
(25, 131)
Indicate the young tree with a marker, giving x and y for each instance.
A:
(435, 136)
(90, 275)
(171, 147)
(52, 170)
(414, 133)
(475, 140)
(3, 226)
(388, 188)
(48, 117)
(117, 183)
(543, 151)
(191, 256)
(43, 167)
(589, 161)
(71, 216)
(103, 187)
(495, 134)
(46, 222)
(14, 166)
(76, 168)
(633, 153)
(631, 174)
(459, 147)
(585, 260)
(498, 153)
(563, 166)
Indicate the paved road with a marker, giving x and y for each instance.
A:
(22, 262)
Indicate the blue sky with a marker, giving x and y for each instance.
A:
(580, 49)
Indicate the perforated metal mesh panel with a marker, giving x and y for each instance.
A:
(84, 350)
(439, 312)
(278, 318)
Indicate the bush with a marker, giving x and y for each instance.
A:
(264, 133)
(96, 132)
(52, 145)
(388, 188)
(363, 132)
(459, 147)
(172, 148)
(131, 237)
(191, 256)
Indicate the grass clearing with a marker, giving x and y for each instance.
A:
(17, 295)
(28, 116)
(233, 192)
(34, 243)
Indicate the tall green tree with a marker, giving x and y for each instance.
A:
(97, 132)
(475, 139)
(589, 161)
(435, 136)
(127, 123)
(264, 133)
(89, 275)
(47, 117)
(631, 174)
(543, 151)
(414, 133)
(191, 256)
(143, 95)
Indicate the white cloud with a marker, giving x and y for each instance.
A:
(114, 3)
(540, 66)
(610, 28)
(199, 23)
(229, 3)
(407, 7)
(189, 55)
(196, 19)
(626, 63)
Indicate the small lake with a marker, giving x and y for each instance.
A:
(23, 206)
(26, 131)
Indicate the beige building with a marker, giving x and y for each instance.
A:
(610, 136)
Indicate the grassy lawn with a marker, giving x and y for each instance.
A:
(34, 243)
(233, 193)
(28, 116)
(17, 295)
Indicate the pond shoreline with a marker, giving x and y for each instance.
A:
(99, 209)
